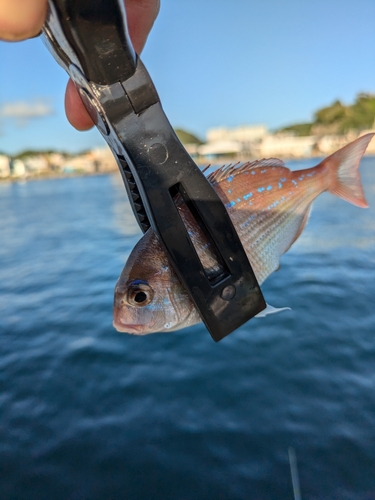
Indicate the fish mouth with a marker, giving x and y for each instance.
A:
(127, 328)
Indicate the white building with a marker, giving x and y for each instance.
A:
(18, 168)
(36, 164)
(4, 166)
(285, 145)
(242, 134)
(218, 148)
(104, 159)
(231, 142)
(56, 161)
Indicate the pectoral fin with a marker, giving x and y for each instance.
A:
(271, 310)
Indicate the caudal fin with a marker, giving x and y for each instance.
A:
(343, 165)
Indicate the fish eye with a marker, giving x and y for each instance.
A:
(140, 297)
(140, 293)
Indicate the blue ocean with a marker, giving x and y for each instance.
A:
(87, 413)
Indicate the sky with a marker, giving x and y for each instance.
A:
(214, 63)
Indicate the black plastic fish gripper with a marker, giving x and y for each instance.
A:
(89, 39)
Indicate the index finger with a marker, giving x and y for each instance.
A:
(141, 15)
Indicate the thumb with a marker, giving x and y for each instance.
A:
(20, 19)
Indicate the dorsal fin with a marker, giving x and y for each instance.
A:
(233, 170)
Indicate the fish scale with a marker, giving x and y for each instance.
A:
(280, 199)
(269, 206)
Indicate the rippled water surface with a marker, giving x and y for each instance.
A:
(89, 413)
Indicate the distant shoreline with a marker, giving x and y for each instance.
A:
(72, 175)
(48, 176)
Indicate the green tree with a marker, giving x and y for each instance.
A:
(333, 114)
(339, 118)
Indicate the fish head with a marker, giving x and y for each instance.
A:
(149, 297)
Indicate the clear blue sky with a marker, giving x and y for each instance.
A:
(214, 63)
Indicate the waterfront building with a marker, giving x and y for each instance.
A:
(17, 168)
(4, 166)
(233, 142)
(221, 148)
(285, 145)
(36, 164)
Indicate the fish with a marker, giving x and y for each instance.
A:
(269, 206)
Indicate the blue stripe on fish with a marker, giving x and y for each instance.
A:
(274, 204)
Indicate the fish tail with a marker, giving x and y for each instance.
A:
(343, 166)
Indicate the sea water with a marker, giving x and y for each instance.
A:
(89, 413)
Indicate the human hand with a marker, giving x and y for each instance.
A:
(21, 19)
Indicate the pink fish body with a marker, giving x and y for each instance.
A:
(269, 206)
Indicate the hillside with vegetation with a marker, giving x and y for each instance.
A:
(339, 118)
(187, 137)
(38, 152)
